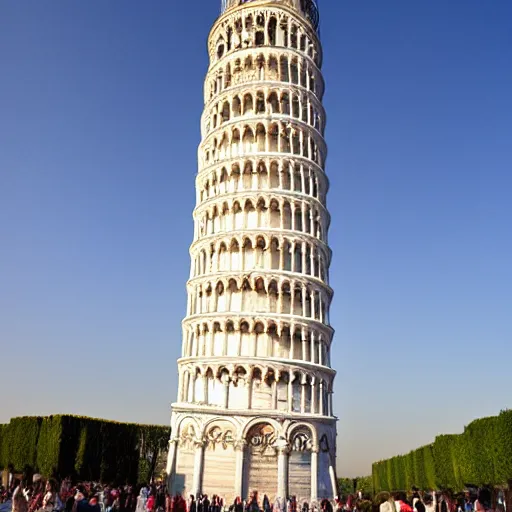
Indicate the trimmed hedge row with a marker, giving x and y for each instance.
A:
(348, 486)
(481, 455)
(87, 448)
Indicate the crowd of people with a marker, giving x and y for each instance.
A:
(472, 500)
(47, 496)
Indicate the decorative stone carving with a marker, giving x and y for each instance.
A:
(218, 437)
(261, 440)
(187, 437)
(302, 441)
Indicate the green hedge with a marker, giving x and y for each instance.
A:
(481, 455)
(348, 486)
(87, 448)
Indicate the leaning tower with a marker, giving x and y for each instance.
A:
(254, 406)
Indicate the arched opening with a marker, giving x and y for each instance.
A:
(251, 216)
(248, 104)
(296, 392)
(248, 254)
(274, 254)
(303, 42)
(284, 72)
(260, 340)
(299, 464)
(286, 176)
(259, 38)
(294, 71)
(220, 47)
(293, 36)
(260, 469)
(237, 108)
(285, 140)
(260, 138)
(273, 102)
(273, 68)
(285, 104)
(225, 112)
(273, 138)
(235, 142)
(262, 175)
(295, 107)
(231, 338)
(248, 140)
(274, 175)
(283, 26)
(296, 142)
(247, 176)
(260, 103)
(272, 25)
(285, 298)
(274, 214)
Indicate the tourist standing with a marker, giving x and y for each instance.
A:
(483, 502)
(19, 498)
(36, 501)
(292, 504)
(237, 506)
(150, 504)
(266, 504)
(141, 501)
(429, 500)
(325, 506)
(192, 505)
(178, 504)
(401, 503)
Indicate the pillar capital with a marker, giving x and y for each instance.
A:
(199, 443)
(240, 444)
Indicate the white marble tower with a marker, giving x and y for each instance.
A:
(254, 406)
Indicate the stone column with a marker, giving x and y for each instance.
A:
(249, 391)
(313, 395)
(193, 382)
(225, 381)
(205, 388)
(290, 392)
(239, 466)
(274, 394)
(321, 399)
(170, 469)
(198, 468)
(303, 395)
(282, 468)
(314, 475)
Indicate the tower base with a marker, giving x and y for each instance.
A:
(235, 453)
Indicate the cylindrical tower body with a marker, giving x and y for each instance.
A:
(254, 406)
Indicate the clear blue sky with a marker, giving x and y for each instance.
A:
(99, 123)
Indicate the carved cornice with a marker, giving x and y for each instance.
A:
(276, 275)
(256, 195)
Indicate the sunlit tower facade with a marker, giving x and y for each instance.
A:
(254, 406)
